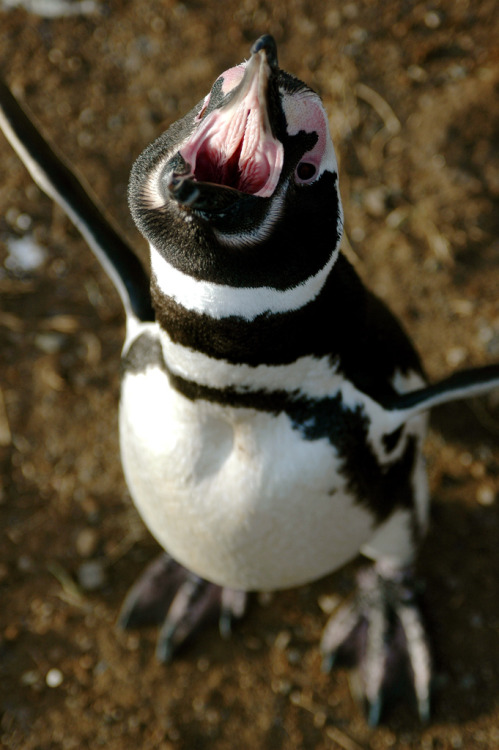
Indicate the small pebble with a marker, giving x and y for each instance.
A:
(455, 356)
(132, 642)
(294, 656)
(432, 20)
(11, 215)
(396, 217)
(30, 678)
(23, 222)
(203, 664)
(282, 640)
(91, 509)
(476, 621)
(416, 73)
(462, 307)
(212, 716)
(320, 719)
(253, 643)
(54, 678)
(86, 542)
(328, 603)
(467, 682)
(493, 345)
(281, 686)
(374, 201)
(49, 343)
(485, 333)
(485, 495)
(101, 668)
(25, 564)
(350, 11)
(11, 632)
(477, 470)
(358, 234)
(25, 255)
(91, 575)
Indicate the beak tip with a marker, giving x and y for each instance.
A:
(268, 45)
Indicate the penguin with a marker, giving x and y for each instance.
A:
(272, 409)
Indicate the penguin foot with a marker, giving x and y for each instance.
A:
(180, 601)
(381, 632)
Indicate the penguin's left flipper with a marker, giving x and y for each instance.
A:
(181, 602)
(381, 633)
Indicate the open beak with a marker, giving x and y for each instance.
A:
(233, 152)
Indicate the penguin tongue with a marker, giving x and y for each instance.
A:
(234, 145)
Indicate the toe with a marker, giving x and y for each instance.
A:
(195, 603)
(148, 600)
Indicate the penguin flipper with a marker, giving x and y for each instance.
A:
(58, 181)
(381, 633)
(181, 602)
(463, 384)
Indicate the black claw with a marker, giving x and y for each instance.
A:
(374, 713)
(424, 710)
(164, 646)
(225, 625)
(328, 662)
(233, 608)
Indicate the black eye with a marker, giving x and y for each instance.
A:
(305, 170)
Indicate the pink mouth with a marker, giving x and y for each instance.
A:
(233, 145)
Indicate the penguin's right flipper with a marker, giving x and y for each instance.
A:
(59, 182)
(169, 595)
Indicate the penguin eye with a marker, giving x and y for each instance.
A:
(305, 171)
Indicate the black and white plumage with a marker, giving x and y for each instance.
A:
(272, 415)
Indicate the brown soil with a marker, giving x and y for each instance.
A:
(411, 90)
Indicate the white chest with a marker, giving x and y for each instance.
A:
(236, 495)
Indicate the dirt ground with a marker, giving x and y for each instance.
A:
(412, 93)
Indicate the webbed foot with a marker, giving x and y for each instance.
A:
(382, 632)
(180, 601)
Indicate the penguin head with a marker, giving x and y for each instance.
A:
(243, 191)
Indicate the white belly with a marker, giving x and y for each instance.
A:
(235, 495)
